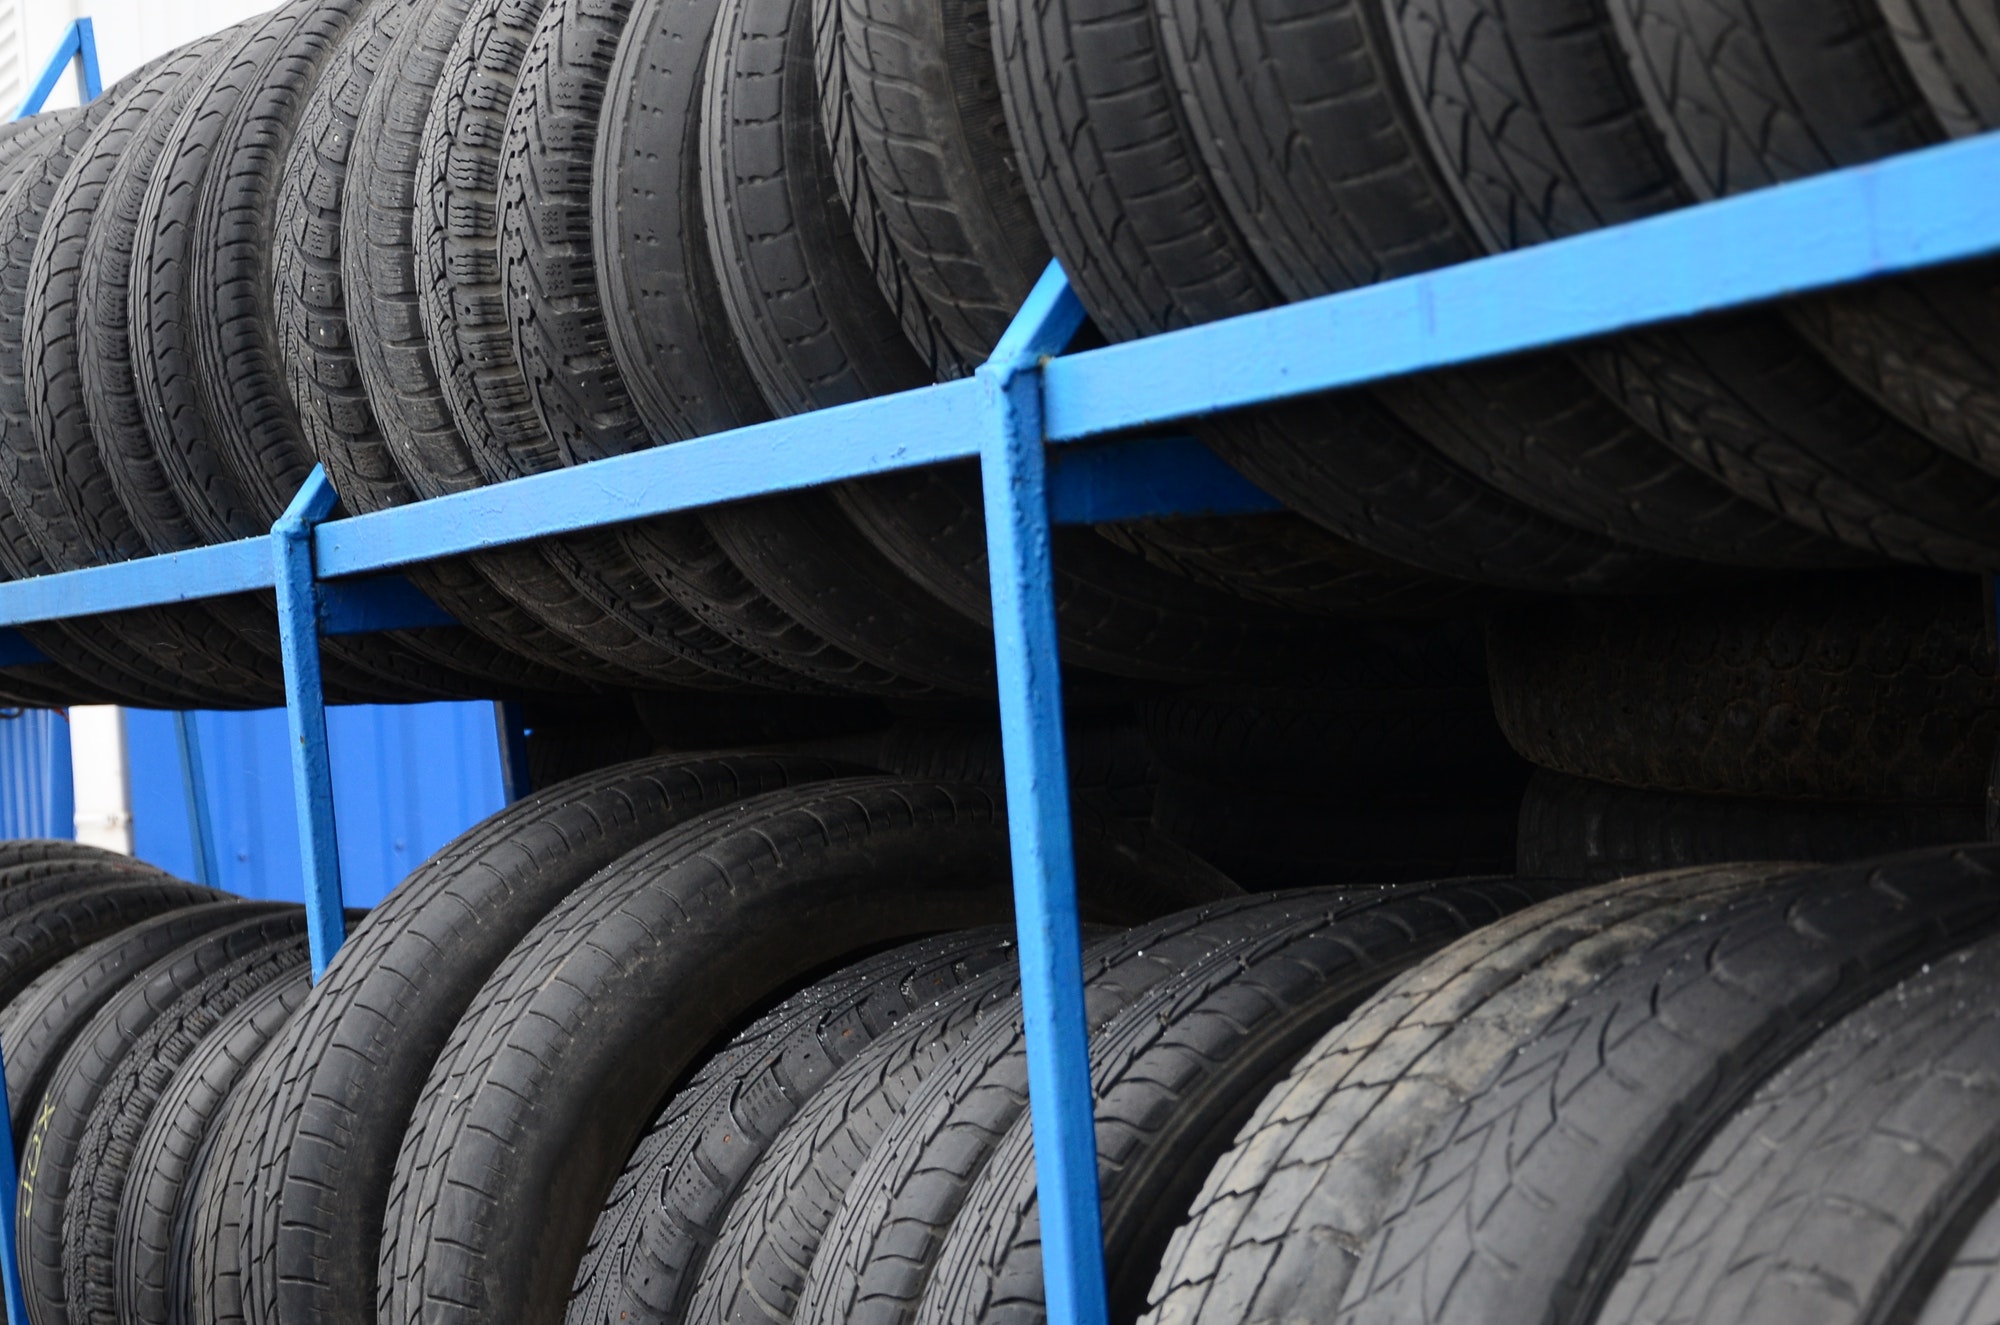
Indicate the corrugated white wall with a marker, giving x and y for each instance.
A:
(129, 33)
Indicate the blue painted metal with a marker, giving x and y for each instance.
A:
(194, 781)
(407, 778)
(36, 795)
(1013, 466)
(376, 602)
(175, 577)
(79, 44)
(1147, 478)
(16, 650)
(305, 708)
(516, 780)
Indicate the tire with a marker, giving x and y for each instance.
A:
(90, 1064)
(590, 590)
(16, 851)
(1818, 87)
(1176, 1073)
(338, 1089)
(38, 1026)
(1175, 258)
(43, 923)
(204, 1268)
(1953, 51)
(427, 458)
(647, 1248)
(102, 1169)
(1876, 688)
(157, 1214)
(1572, 828)
(1300, 1172)
(1733, 998)
(849, 845)
(1965, 1290)
(1810, 1204)
(911, 102)
(313, 343)
(153, 657)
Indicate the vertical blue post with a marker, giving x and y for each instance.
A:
(305, 711)
(89, 78)
(1014, 468)
(194, 781)
(516, 782)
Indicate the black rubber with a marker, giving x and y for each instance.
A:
(16, 851)
(777, 887)
(204, 1266)
(1877, 687)
(1572, 828)
(1953, 51)
(101, 1171)
(1813, 1203)
(341, 1083)
(67, 474)
(1175, 1075)
(43, 923)
(1966, 1288)
(312, 341)
(911, 102)
(156, 1216)
(88, 1067)
(1653, 1062)
(1125, 199)
(427, 457)
(1815, 87)
(590, 589)
(647, 1248)
(1282, 1219)
(169, 460)
(37, 1027)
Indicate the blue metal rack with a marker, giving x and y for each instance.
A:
(1045, 428)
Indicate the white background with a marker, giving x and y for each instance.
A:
(129, 33)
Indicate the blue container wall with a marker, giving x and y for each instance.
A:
(37, 798)
(406, 780)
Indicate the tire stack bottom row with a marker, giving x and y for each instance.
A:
(739, 1038)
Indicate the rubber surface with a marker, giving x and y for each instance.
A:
(650, 1240)
(1859, 688)
(777, 887)
(342, 1081)
(42, 923)
(1176, 1073)
(1812, 1202)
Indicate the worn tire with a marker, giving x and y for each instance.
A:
(91, 1062)
(1877, 687)
(102, 1169)
(650, 1239)
(1813, 1203)
(37, 1027)
(341, 1083)
(1282, 1219)
(45, 922)
(158, 1212)
(778, 886)
(1175, 1075)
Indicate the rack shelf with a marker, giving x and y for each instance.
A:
(1045, 428)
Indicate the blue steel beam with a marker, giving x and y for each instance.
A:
(1146, 479)
(79, 44)
(291, 551)
(16, 650)
(176, 577)
(376, 602)
(10, 1240)
(1014, 472)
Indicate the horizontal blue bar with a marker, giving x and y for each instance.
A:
(375, 603)
(1938, 205)
(176, 577)
(16, 650)
(849, 441)
(1148, 478)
